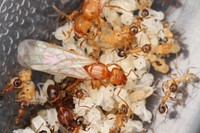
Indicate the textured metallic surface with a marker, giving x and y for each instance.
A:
(19, 20)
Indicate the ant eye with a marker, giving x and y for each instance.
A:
(79, 120)
(146, 48)
(17, 82)
(52, 92)
(123, 109)
(173, 87)
(144, 13)
(79, 94)
(121, 53)
(88, 31)
(134, 29)
(162, 108)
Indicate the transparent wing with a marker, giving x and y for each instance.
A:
(52, 59)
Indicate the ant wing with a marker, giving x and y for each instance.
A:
(52, 59)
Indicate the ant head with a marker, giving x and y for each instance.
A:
(117, 77)
(191, 77)
(123, 109)
(79, 93)
(134, 29)
(16, 82)
(146, 48)
(162, 108)
(53, 92)
(173, 87)
(79, 120)
(121, 53)
(144, 13)
(91, 35)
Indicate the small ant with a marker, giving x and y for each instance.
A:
(119, 38)
(99, 71)
(187, 77)
(121, 117)
(124, 52)
(172, 87)
(27, 91)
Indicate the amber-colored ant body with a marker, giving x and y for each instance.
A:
(24, 78)
(172, 87)
(26, 93)
(119, 38)
(90, 18)
(100, 71)
(121, 117)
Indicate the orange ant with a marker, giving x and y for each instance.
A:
(116, 76)
(99, 71)
(187, 77)
(121, 117)
(119, 38)
(172, 89)
(145, 49)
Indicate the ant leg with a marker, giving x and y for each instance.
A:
(133, 72)
(114, 64)
(72, 85)
(83, 106)
(176, 66)
(82, 42)
(69, 17)
(173, 99)
(103, 83)
(163, 89)
(112, 6)
(37, 131)
(69, 32)
(122, 98)
(21, 112)
(8, 89)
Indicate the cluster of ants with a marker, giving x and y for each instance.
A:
(96, 31)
